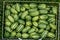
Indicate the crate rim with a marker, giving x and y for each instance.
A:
(31, 1)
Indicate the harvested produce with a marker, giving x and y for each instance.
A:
(30, 21)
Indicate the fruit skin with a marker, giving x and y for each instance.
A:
(32, 5)
(26, 29)
(15, 17)
(28, 23)
(26, 6)
(31, 30)
(36, 29)
(7, 34)
(24, 14)
(17, 7)
(13, 11)
(34, 35)
(51, 35)
(41, 30)
(18, 35)
(8, 23)
(54, 9)
(43, 11)
(53, 26)
(8, 7)
(11, 18)
(43, 21)
(44, 34)
(7, 12)
(32, 10)
(28, 18)
(25, 35)
(42, 26)
(48, 27)
(22, 9)
(34, 13)
(51, 15)
(35, 24)
(43, 17)
(8, 29)
(35, 18)
(13, 34)
(52, 20)
(20, 28)
(42, 6)
(21, 21)
(14, 25)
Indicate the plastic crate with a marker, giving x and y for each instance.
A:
(36, 0)
(57, 35)
(1, 20)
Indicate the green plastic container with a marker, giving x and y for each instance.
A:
(1, 8)
(22, 2)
